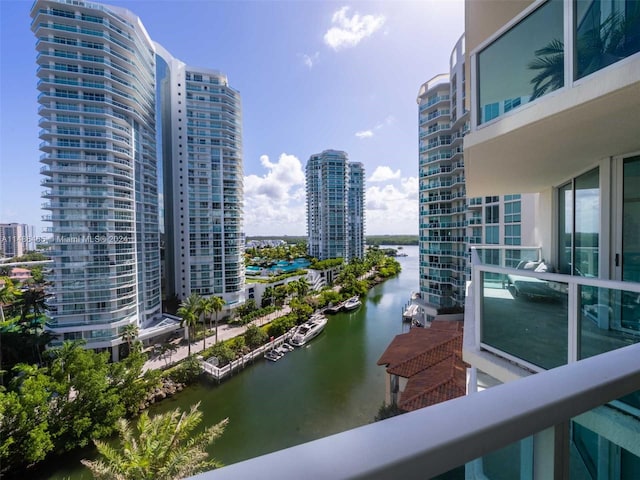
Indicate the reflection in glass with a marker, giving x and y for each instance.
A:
(565, 227)
(607, 31)
(609, 319)
(523, 64)
(604, 446)
(579, 225)
(587, 224)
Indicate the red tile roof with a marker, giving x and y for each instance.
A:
(431, 360)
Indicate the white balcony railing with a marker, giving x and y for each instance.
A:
(437, 439)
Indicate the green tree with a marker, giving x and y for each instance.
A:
(217, 304)
(254, 336)
(132, 384)
(88, 401)
(268, 296)
(130, 334)
(25, 411)
(163, 447)
(189, 313)
(281, 325)
(206, 307)
(223, 352)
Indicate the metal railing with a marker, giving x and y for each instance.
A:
(437, 439)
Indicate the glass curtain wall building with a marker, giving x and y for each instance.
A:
(203, 182)
(96, 75)
(335, 206)
(555, 95)
(449, 221)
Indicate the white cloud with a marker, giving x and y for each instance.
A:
(382, 174)
(310, 60)
(364, 134)
(392, 209)
(390, 120)
(348, 32)
(275, 201)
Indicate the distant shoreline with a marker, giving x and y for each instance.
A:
(370, 239)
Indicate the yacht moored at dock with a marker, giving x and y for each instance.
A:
(352, 304)
(308, 330)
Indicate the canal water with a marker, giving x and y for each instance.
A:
(330, 385)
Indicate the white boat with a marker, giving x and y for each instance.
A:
(273, 355)
(286, 346)
(308, 330)
(352, 303)
(411, 313)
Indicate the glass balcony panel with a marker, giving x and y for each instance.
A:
(604, 444)
(525, 317)
(609, 319)
(513, 461)
(606, 32)
(525, 63)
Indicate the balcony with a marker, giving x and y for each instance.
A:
(539, 321)
(547, 107)
(475, 430)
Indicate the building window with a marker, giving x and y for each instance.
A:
(512, 212)
(579, 225)
(525, 63)
(512, 235)
(606, 32)
(492, 214)
(492, 236)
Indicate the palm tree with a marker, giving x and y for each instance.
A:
(217, 304)
(303, 286)
(162, 447)
(9, 293)
(189, 319)
(206, 307)
(268, 294)
(129, 334)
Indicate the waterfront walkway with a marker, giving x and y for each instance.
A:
(225, 332)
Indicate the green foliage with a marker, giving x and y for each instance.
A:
(92, 403)
(329, 296)
(163, 447)
(248, 308)
(254, 336)
(238, 345)
(187, 371)
(256, 314)
(300, 310)
(276, 278)
(392, 239)
(77, 396)
(132, 386)
(25, 411)
(223, 352)
(281, 325)
(387, 411)
(31, 256)
(326, 264)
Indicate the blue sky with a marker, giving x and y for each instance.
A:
(313, 75)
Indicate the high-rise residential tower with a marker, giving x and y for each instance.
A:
(449, 221)
(202, 181)
(16, 239)
(335, 206)
(554, 93)
(356, 215)
(96, 71)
